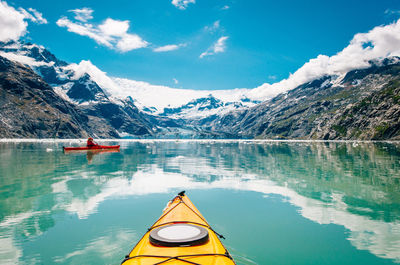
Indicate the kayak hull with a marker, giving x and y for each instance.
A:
(97, 147)
(180, 210)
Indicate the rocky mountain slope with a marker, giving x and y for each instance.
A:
(104, 117)
(363, 104)
(30, 108)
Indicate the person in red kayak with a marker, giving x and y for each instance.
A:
(91, 143)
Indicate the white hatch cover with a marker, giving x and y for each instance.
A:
(177, 235)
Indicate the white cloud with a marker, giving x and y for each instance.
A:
(112, 33)
(83, 14)
(35, 16)
(182, 4)
(218, 47)
(85, 30)
(113, 27)
(12, 21)
(12, 24)
(131, 42)
(167, 48)
(392, 12)
(215, 26)
(38, 17)
(378, 43)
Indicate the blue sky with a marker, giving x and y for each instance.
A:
(244, 43)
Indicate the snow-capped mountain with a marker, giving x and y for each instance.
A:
(84, 82)
(30, 108)
(207, 106)
(81, 90)
(323, 106)
(67, 83)
(38, 58)
(159, 98)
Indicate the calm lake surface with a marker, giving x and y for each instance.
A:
(275, 202)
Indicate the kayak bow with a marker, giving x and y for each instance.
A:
(180, 236)
(96, 147)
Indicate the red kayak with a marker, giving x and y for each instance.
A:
(96, 147)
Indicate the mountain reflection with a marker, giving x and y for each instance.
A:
(355, 185)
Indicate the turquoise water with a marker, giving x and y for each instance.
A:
(275, 202)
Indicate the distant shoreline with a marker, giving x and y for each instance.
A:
(50, 140)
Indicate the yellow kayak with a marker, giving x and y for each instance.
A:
(180, 236)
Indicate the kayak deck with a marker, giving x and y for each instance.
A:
(180, 210)
(96, 147)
